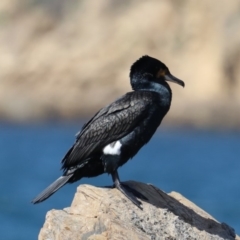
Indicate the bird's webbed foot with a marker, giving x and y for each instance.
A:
(124, 189)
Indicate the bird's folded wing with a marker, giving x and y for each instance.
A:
(108, 125)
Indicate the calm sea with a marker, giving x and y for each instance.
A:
(204, 166)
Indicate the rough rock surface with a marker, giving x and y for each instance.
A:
(104, 213)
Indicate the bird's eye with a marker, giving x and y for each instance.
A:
(161, 73)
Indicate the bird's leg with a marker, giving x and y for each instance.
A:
(123, 189)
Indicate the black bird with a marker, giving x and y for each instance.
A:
(117, 132)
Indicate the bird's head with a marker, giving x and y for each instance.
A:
(147, 70)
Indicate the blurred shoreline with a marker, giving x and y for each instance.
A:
(64, 60)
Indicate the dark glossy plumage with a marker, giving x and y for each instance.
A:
(117, 132)
(128, 113)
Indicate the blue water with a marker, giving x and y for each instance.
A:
(204, 166)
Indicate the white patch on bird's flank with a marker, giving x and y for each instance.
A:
(113, 148)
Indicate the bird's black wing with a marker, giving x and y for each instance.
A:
(108, 125)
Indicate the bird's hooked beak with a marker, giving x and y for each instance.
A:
(169, 77)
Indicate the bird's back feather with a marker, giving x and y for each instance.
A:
(110, 124)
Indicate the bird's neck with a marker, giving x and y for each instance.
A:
(163, 89)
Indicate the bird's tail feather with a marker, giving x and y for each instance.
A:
(60, 182)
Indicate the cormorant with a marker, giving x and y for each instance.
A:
(117, 132)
